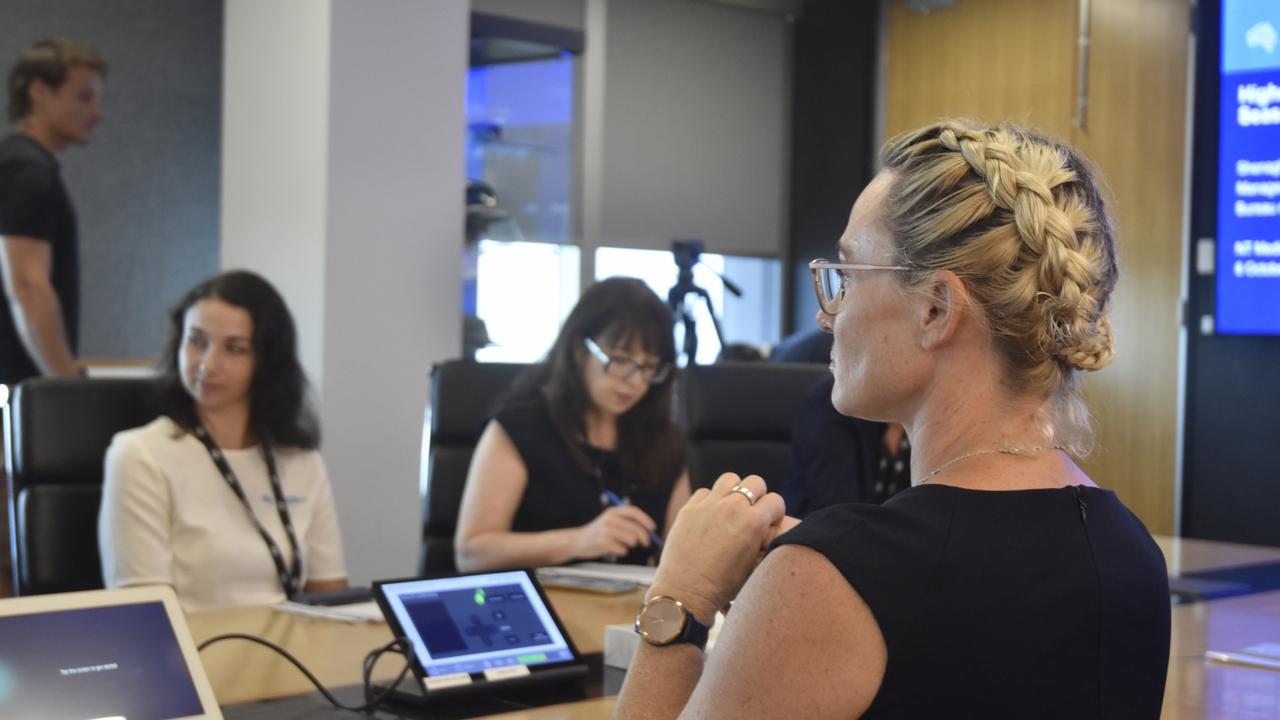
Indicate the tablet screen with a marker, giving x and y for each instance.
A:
(476, 622)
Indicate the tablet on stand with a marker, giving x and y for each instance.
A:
(480, 633)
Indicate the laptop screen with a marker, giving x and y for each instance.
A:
(96, 662)
(477, 622)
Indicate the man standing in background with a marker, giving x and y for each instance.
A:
(55, 94)
(54, 99)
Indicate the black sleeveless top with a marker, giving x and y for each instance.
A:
(1019, 604)
(560, 493)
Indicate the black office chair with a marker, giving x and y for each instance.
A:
(737, 417)
(56, 432)
(464, 395)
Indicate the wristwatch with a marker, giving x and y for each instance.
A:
(663, 620)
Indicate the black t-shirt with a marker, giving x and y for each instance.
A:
(34, 203)
(560, 493)
(1019, 604)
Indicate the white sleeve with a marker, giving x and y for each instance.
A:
(134, 520)
(324, 559)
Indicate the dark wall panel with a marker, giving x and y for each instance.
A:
(146, 188)
(833, 104)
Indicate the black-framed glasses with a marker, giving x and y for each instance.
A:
(624, 368)
(831, 278)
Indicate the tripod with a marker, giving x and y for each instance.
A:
(686, 254)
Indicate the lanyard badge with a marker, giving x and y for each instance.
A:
(290, 575)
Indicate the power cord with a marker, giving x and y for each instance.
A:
(399, 645)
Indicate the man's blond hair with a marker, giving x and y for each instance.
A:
(48, 61)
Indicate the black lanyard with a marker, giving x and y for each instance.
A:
(602, 485)
(291, 576)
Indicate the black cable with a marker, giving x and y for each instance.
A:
(370, 660)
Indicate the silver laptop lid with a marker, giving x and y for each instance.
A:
(101, 654)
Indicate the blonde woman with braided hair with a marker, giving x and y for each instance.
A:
(971, 293)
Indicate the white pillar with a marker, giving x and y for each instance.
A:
(342, 182)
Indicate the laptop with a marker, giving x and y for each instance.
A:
(478, 633)
(102, 654)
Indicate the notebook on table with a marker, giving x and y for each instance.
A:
(101, 654)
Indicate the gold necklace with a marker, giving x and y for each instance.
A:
(1001, 451)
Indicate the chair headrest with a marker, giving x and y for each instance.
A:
(464, 394)
(62, 426)
(745, 400)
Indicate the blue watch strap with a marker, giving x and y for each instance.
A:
(695, 633)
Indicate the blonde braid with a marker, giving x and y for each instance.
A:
(1020, 219)
(1072, 328)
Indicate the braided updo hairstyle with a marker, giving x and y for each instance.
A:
(1020, 218)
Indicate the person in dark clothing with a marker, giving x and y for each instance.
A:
(55, 90)
(805, 346)
(972, 291)
(837, 459)
(740, 352)
(583, 461)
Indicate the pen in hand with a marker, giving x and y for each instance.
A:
(616, 501)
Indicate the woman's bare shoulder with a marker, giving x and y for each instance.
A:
(799, 639)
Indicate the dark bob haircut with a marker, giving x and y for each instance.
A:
(280, 413)
(615, 313)
(47, 61)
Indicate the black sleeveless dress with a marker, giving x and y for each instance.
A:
(1021, 604)
(560, 493)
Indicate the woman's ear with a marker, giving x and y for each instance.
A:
(943, 302)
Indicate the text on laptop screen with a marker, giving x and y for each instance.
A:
(121, 660)
(476, 623)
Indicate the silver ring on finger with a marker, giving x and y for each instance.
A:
(745, 492)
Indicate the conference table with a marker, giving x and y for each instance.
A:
(242, 673)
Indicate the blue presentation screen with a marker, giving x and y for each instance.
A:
(1248, 276)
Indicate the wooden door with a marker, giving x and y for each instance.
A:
(1017, 60)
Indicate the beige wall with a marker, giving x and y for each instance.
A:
(344, 189)
(1016, 60)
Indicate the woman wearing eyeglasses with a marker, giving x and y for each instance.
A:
(970, 296)
(583, 461)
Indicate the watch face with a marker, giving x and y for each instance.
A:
(661, 621)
